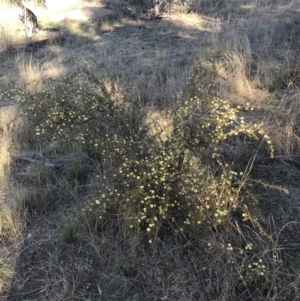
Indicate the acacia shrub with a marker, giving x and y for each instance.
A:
(161, 180)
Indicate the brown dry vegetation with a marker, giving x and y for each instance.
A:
(54, 246)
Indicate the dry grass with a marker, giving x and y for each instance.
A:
(12, 128)
(59, 252)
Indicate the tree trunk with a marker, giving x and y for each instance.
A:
(157, 7)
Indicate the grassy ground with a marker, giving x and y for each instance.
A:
(53, 247)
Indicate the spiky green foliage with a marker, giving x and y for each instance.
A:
(162, 179)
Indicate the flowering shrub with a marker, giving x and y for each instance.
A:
(162, 179)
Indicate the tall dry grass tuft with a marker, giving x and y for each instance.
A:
(12, 127)
(13, 133)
